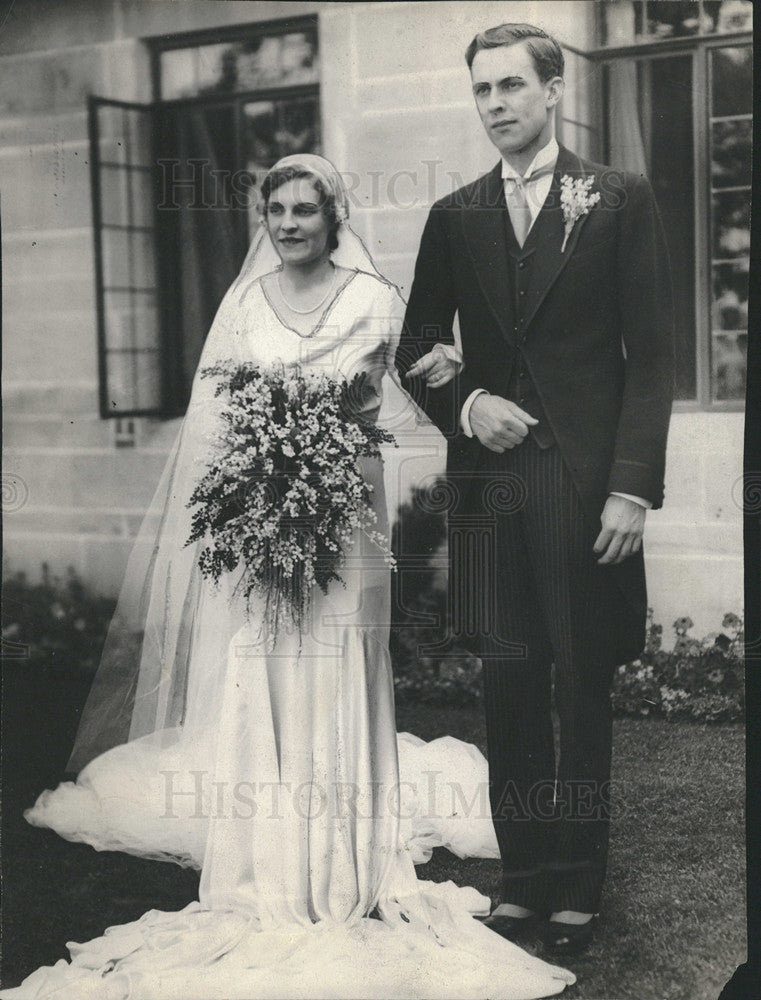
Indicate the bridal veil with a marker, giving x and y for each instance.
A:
(140, 687)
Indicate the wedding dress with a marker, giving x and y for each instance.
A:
(272, 764)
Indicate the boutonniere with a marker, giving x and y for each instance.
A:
(576, 200)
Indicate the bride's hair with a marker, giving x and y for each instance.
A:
(275, 178)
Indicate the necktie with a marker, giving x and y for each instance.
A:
(518, 204)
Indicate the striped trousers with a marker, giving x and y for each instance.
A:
(549, 605)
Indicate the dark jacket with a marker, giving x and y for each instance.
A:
(595, 333)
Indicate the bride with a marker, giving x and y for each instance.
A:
(272, 763)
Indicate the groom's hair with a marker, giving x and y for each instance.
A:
(545, 51)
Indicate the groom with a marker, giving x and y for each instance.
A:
(556, 428)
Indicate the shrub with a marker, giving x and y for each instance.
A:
(56, 624)
(702, 680)
(427, 677)
(421, 675)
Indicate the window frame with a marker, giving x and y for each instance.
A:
(219, 35)
(699, 48)
(173, 396)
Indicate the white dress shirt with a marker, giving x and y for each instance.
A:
(536, 193)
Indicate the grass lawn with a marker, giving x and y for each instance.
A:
(673, 913)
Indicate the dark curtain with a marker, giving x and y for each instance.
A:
(650, 132)
(202, 232)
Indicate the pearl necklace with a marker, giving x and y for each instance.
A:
(314, 308)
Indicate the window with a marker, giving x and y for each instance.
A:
(175, 193)
(644, 21)
(677, 97)
(730, 144)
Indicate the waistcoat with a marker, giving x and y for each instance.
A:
(520, 388)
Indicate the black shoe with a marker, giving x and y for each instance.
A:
(508, 926)
(569, 939)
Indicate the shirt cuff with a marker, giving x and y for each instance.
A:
(453, 354)
(628, 496)
(465, 412)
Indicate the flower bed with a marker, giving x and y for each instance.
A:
(701, 679)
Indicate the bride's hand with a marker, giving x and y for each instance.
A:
(437, 367)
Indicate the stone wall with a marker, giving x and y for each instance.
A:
(398, 118)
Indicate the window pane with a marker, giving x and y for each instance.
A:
(731, 153)
(143, 194)
(731, 225)
(730, 296)
(728, 365)
(274, 129)
(143, 260)
(113, 196)
(115, 249)
(133, 380)
(215, 68)
(132, 351)
(259, 134)
(732, 15)
(131, 321)
(138, 135)
(148, 381)
(120, 390)
(126, 196)
(625, 22)
(670, 18)
(259, 63)
(178, 73)
(299, 58)
(732, 81)
(277, 128)
(128, 259)
(298, 127)
(252, 64)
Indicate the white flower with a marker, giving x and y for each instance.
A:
(269, 521)
(576, 201)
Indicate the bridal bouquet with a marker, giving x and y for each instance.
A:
(284, 491)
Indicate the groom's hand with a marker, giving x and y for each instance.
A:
(498, 423)
(623, 522)
(437, 367)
